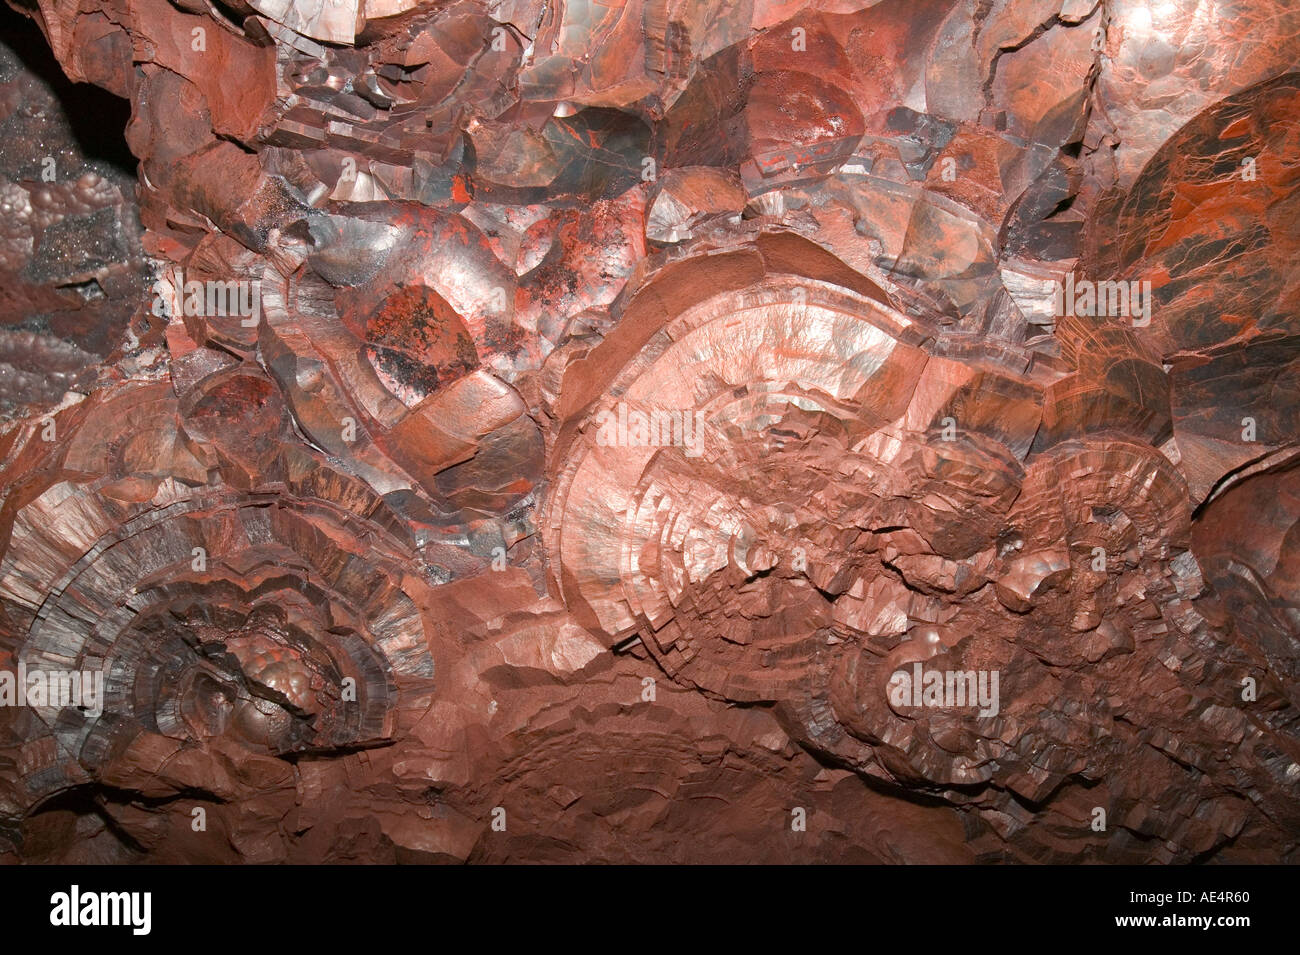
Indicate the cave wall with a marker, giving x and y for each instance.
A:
(585, 431)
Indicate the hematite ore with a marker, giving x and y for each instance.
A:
(367, 578)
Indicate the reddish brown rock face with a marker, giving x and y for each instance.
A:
(843, 431)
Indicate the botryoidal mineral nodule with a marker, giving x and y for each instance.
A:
(653, 431)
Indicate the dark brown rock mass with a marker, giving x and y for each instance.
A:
(650, 431)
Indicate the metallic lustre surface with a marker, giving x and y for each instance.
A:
(607, 407)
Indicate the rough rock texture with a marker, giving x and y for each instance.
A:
(71, 261)
(572, 431)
